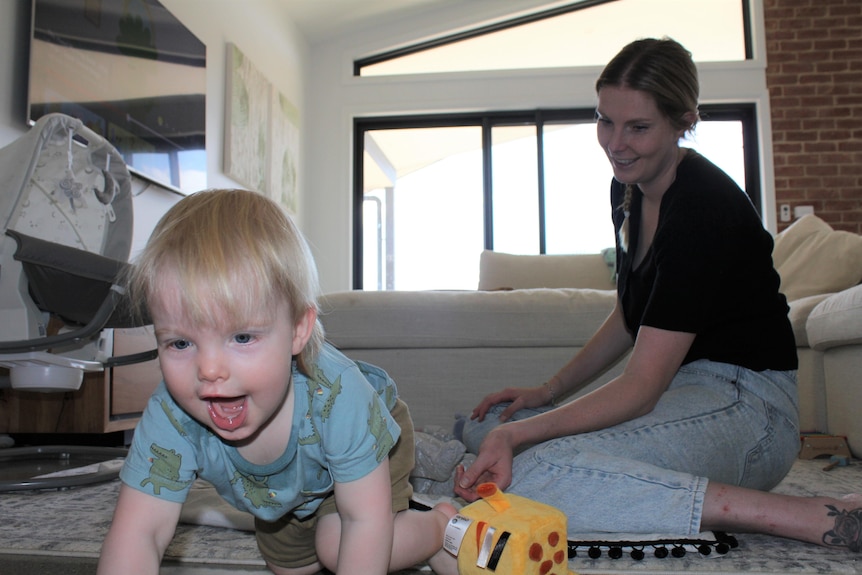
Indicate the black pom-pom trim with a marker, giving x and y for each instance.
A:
(661, 548)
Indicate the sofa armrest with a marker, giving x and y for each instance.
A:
(800, 309)
(837, 320)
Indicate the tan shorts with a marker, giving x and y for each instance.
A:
(289, 542)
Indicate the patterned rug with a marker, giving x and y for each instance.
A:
(73, 522)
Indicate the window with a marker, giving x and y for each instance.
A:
(417, 219)
(576, 34)
(433, 192)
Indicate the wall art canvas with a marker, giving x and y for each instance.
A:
(247, 102)
(284, 152)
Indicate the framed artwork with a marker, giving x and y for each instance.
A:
(284, 151)
(247, 102)
(261, 149)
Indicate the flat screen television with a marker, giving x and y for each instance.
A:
(132, 73)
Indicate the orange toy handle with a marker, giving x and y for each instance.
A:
(490, 493)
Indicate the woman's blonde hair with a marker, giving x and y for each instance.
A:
(665, 70)
(236, 256)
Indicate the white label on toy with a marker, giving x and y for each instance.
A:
(455, 532)
(487, 547)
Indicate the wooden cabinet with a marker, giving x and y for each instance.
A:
(108, 401)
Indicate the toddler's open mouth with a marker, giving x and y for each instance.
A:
(227, 413)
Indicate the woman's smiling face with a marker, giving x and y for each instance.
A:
(234, 379)
(639, 140)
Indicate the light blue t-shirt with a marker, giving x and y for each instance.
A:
(342, 430)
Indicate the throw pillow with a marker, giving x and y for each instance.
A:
(610, 257)
(813, 259)
(510, 271)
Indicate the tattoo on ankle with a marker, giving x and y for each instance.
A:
(847, 531)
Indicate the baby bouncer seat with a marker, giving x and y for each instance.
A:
(66, 215)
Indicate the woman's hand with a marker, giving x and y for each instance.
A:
(520, 397)
(493, 464)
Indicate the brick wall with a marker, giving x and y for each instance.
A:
(814, 76)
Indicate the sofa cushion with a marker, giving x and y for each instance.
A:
(458, 319)
(812, 258)
(509, 271)
(837, 320)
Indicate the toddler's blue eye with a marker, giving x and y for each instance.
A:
(180, 344)
(243, 338)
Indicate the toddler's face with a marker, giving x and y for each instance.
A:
(235, 379)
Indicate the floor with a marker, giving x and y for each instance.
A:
(32, 565)
(59, 531)
(21, 564)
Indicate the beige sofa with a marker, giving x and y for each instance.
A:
(447, 349)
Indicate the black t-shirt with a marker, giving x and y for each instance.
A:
(708, 271)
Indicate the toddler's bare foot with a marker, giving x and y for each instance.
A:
(442, 562)
(847, 529)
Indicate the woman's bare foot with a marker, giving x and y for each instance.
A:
(442, 562)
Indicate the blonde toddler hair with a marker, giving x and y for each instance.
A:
(236, 256)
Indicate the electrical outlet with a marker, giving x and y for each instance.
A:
(800, 211)
(785, 212)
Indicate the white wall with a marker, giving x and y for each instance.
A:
(335, 97)
(260, 28)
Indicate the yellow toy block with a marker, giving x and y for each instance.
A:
(505, 534)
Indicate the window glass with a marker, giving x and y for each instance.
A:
(577, 181)
(425, 213)
(722, 142)
(514, 189)
(712, 29)
(423, 208)
(194, 176)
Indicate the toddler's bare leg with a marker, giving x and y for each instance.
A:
(419, 537)
(442, 562)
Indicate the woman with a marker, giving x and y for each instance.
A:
(703, 419)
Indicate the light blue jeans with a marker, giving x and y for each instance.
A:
(716, 422)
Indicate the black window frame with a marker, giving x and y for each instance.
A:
(744, 112)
